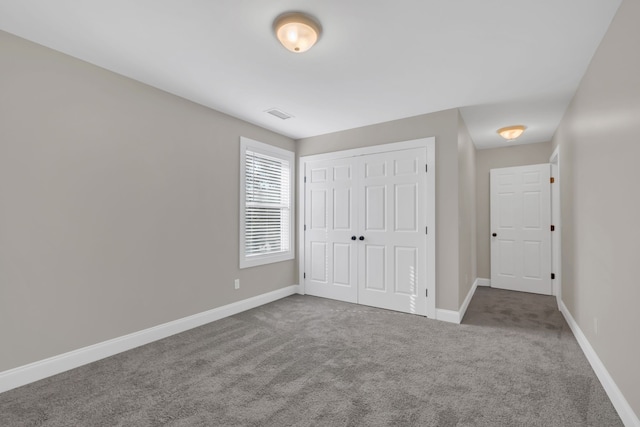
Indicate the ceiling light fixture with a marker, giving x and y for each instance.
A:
(511, 132)
(296, 31)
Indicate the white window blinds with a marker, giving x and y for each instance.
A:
(267, 204)
(267, 215)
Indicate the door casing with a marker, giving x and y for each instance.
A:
(556, 220)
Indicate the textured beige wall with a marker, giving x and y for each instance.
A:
(493, 158)
(444, 126)
(119, 206)
(599, 155)
(467, 259)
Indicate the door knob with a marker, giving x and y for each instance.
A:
(353, 237)
(361, 237)
(495, 234)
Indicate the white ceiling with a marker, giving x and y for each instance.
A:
(503, 62)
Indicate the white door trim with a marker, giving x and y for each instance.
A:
(556, 219)
(428, 143)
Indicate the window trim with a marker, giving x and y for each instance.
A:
(247, 144)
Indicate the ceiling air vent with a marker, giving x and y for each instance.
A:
(279, 113)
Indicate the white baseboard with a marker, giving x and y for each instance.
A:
(54, 365)
(453, 316)
(483, 282)
(467, 300)
(629, 418)
(450, 316)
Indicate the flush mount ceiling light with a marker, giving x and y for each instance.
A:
(511, 132)
(296, 31)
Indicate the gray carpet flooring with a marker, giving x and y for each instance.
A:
(312, 361)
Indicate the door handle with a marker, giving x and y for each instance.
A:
(353, 237)
(495, 234)
(361, 237)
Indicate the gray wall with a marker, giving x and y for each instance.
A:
(503, 157)
(466, 211)
(444, 126)
(599, 154)
(119, 206)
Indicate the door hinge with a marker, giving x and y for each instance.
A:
(552, 180)
(305, 227)
(553, 276)
(304, 275)
(305, 179)
(426, 230)
(426, 293)
(426, 168)
(553, 228)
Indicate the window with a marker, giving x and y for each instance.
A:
(266, 203)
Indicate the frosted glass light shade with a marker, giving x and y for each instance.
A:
(297, 32)
(511, 132)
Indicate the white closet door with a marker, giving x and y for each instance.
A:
(330, 219)
(520, 227)
(392, 221)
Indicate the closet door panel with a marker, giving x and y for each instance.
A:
(392, 224)
(330, 252)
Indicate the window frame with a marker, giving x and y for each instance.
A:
(247, 144)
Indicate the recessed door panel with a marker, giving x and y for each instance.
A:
(505, 179)
(375, 208)
(319, 261)
(342, 264)
(375, 261)
(375, 169)
(531, 177)
(342, 173)
(506, 266)
(342, 208)
(318, 209)
(405, 166)
(532, 251)
(406, 207)
(406, 271)
(506, 210)
(318, 175)
(531, 215)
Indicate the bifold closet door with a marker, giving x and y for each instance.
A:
(330, 219)
(392, 222)
(365, 240)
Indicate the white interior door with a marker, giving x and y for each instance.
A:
(331, 224)
(520, 227)
(392, 226)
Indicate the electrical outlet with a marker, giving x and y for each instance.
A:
(236, 284)
(595, 325)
